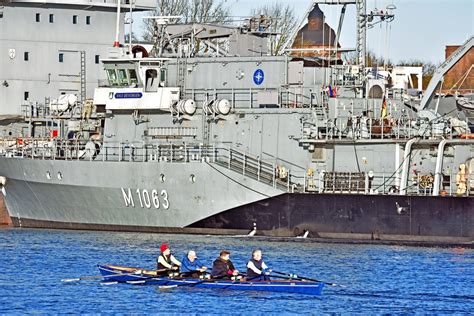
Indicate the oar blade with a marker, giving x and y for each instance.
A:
(71, 280)
(165, 287)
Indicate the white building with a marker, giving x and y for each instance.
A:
(45, 46)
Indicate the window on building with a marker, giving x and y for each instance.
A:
(97, 59)
(26, 95)
(61, 57)
(51, 18)
(74, 19)
(38, 17)
(26, 56)
(88, 20)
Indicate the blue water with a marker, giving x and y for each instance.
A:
(378, 279)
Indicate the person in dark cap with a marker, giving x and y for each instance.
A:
(222, 267)
(166, 261)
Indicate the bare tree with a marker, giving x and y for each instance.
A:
(428, 67)
(371, 59)
(200, 11)
(284, 22)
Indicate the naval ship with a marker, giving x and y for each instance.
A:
(209, 130)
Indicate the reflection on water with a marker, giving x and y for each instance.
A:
(377, 279)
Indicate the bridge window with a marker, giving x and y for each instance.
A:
(112, 76)
(150, 82)
(51, 18)
(88, 20)
(74, 19)
(132, 74)
(26, 56)
(38, 17)
(163, 75)
(97, 59)
(61, 57)
(122, 77)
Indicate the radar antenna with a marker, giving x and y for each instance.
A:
(160, 36)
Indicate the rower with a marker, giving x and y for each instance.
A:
(166, 261)
(191, 266)
(256, 268)
(223, 268)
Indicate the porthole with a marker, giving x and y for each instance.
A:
(48, 175)
(60, 176)
(162, 178)
(192, 178)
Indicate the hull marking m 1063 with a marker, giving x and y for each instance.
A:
(146, 199)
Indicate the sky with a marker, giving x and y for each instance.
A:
(421, 29)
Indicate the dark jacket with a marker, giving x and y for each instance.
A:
(221, 268)
(258, 265)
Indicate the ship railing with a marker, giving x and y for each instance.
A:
(283, 97)
(60, 149)
(373, 128)
(256, 168)
(31, 110)
(145, 152)
(385, 183)
(451, 185)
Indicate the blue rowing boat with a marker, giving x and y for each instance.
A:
(138, 276)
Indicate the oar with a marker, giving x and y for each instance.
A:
(184, 284)
(95, 277)
(208, 280)
(294, 276)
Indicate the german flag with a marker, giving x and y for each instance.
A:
(383, 112)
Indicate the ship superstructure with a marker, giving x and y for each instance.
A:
(203, 135)
(49, 48)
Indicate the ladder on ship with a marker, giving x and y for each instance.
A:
(83, 76)
(182, 65)
(321, 107)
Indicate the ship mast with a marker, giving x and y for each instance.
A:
(117, 26)
(361, 37)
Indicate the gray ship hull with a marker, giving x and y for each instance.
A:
(106, 195)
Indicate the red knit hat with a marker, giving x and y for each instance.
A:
(163, 247)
